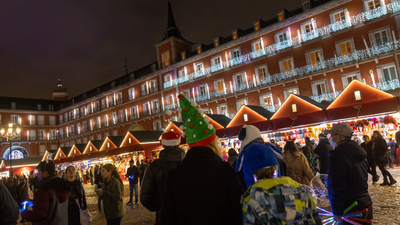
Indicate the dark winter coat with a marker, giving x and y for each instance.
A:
(133, 174)
(98, 179)
(348, 177)
(112, 199)
(233, 156)
(9, 211)
(155, 178)
(50, 203)
(322, 150)
(22, 192)
(78, 193)
(203, 189)
(381, 151)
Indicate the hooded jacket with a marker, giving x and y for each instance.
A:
(322, 150)
(155, 178)
(348, 177)
(266, 202)
(50, 203)
(203, 189)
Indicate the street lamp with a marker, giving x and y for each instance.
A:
(12, 133)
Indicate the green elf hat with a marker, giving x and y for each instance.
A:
(195, 127)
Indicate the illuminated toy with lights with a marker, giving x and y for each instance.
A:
(26, 204)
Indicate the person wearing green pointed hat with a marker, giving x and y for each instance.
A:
(203, 189)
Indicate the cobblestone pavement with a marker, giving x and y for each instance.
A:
(386, 202)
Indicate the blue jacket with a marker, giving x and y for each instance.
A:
(392, 145)
(348, 177)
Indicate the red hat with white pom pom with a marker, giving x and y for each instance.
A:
(170, 138)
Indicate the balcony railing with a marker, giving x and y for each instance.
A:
(309, 35)
(169, 84)
(153, 89)
(171, 106)
(216, 67)
(134, 116)
(339, 25)
(388, 85)
(155, 111)
(325, 97)
(144, 93)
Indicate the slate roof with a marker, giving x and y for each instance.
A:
(146, 136)
(97, 143)
(220, 119)
(117, 140)
(311, 101)
(260, 110)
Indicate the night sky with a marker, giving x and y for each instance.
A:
(85, 43)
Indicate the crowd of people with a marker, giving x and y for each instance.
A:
(263, 184)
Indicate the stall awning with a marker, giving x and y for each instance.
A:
(298, 111)
(249, 114)
(109, 144)
(93, 146)
(27, 161)
(77, 149)
(62, 152)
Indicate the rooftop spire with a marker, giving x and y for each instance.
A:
(171, 20)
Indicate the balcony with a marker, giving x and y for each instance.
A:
(134, 116)
(282, 45)
(325, 97)
(388, 85)
(216, 67)
(171, 106)
(155, 110)
(258, 53)
(235, 61)
(169, 84)
(146, 112)
(340, 25)
(375, 13)
(201, 98)
(309, 35)
(240, 87)
(144, 93)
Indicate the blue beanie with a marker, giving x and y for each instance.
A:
(257, 156)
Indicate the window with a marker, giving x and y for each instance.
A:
(0, 122)
(281, 16)
(112, 100)
(348, 77)
(157, 125)
(53, 134)
(14, 119)
(13, 105)
(84, 126)
(256, 26)
(98, 136)
(131, 93)
(106, 134)
(286, 65)
(256, 45)
(91, 137)
(165, 58)
(61, 133)
(146, 108)
(206, 110)
(219, 86)
(387, 73)
(234, 35)
(32, 135)
(76, 113)
(262, 72)
(97, 105)
(105, 119)
(41, 135)
(216, 42)
(294, 108)
(98, 122)
(309, 26)
(319, 87)
(266, 100)
(372, 4)
(201, 90)
(292, 90)
(379, 37)
(183, 55)
(39, 107)
(83, 110)
(32, 119)
(223, 109)
(42, 149)
(199, 68)
(168, 78)
(345, 48)
(357, 95)
(40, 119)
(155, 105)
(114, 118)
(51, 108)
(103, 103)
(144, 88)
(186, 93)
(119, 98)
(91, 124)
(306, 5)
(182, 72)
(238, 79)
(170, 100)
(282, 36)
(121, 115)
(134, 112)
(198, 49)
(241, 102)
(216, 63)
(153, 86)
(115, 132)
(314, 57)
(235, 53)
(78, 128)
(78, 141)
(84, 140)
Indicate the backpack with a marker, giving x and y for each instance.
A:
(293, 172)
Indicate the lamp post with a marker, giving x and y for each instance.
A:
(11, 134)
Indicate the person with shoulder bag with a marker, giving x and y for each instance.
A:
(379, 148)
(77, 205)
(297, 164)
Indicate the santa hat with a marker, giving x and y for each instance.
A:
(170, 138)
(257, 156)
(196, 128)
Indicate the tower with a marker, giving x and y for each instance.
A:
(60, 93)
(173, 47)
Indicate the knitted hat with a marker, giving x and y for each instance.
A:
(257, 156)
(196, 128)
(247, 134)
(170, 138)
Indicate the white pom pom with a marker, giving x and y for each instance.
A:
(194, 135)
(201, 122)
(179, 119)
(188, 120)
(201, 111)
(206, 119)
(168, 112)
(179, 109)
(210, 126)
(194, 104)
(181, 127)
